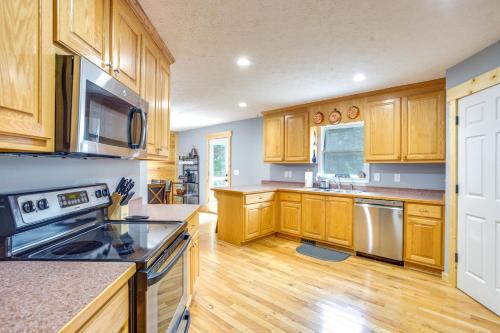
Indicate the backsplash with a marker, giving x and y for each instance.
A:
(419, 176)
(27, 173)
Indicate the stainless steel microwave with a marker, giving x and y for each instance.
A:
(96, 115)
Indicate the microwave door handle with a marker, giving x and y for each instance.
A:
(133, 111)
(144, 126)
(157, 276)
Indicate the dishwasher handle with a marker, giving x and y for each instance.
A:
(378, 206)
(378, 202)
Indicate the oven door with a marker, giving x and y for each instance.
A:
(167, 290)
(112, 119)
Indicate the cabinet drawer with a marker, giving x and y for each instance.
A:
(424, 210)
(258, 197)
(289, 196)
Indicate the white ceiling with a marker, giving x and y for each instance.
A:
(306, 50)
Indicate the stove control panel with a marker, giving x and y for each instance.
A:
(42, 206)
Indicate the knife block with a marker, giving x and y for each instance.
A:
(115, 211)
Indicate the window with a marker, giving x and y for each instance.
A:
(342, 152)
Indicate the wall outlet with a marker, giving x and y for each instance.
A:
(289, 174)
(376, 177)
(397, 177)
(236, 172)
(285, 174)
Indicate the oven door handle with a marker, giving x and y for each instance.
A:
(157, 276)
(184, 323)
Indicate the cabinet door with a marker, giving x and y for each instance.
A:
(164, 111)
(83, 27)
(339, 221)
(267, 218)
(423, 241)
(424, 127)
(27, 74)
(274, 138)
(297, 137)
(290, 217)
(252, 221)
(126, 31)
(383, 130)
(313, 216)
(150, 90)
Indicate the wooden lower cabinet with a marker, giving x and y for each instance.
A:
(252, 221)
(339, 221)
(259, 219)
(423, 237)
(267, 218)
(313, 216)
(113, 317)
(290, 215)
(194, 265)
(193, 255)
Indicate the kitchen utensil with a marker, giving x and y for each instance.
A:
(124, 201)
(324, 184)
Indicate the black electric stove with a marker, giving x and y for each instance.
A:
(70, 224)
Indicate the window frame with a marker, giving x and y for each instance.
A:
(321, 173)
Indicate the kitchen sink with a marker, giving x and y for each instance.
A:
(333, 190)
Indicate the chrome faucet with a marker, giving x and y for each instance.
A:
(339, 183)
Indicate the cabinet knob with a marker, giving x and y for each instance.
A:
(108, 64)
(116, 70)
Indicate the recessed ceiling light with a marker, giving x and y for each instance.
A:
(359, 77)
(242, 105)
(243, 62)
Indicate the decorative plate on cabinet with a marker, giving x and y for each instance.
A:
(318, 118)
(353, 112)
(335, 117)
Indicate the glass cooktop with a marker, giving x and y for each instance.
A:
(135, 241)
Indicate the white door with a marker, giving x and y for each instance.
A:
(479, 197)
(218, 168)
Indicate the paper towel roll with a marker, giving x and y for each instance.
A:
(308, 179)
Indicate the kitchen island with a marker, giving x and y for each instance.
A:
(248, 213)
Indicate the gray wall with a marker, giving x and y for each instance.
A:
(247, 158)
(26, 173)
(246, 151)
(479, 63)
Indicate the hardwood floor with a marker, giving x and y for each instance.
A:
(267, 287)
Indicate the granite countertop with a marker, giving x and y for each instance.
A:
(176, 212)
(401, 194)
(43, 296)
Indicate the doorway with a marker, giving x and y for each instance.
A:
(478, 236)
(218, 165)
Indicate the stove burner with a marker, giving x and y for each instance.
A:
(77, 247)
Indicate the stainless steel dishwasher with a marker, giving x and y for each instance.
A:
(378, 229)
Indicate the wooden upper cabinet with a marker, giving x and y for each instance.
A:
(27, 67)
(313, 216)
(290, 214)
(150, 90)
(164, 110)
(83, 27)
(274, 138)
(339, 221)
(424, 127)
(126, 31)
(297, 137)
(383, 130)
